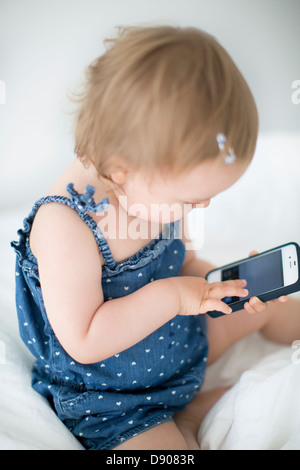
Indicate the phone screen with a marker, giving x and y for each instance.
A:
(263, 274)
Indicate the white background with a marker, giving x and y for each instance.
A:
(45, 47)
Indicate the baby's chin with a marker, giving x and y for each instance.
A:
(163, 215)
(163, 219)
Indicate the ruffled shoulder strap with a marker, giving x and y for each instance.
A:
(85, 203)
(82, 204)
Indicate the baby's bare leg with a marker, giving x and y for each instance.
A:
(284, 323)
(165, 436)
(189, 420)
(178, 435)
(278, 322)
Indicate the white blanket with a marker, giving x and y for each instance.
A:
(262, 409)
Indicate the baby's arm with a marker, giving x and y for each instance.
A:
(88, 328)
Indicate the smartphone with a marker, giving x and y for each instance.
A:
(269, 275)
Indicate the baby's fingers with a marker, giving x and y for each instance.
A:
(282, 299)
(235, 288)
(255, 305)
(210, 305)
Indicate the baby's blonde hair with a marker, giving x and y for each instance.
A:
(159, 96)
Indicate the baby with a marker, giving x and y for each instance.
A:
(111, 300)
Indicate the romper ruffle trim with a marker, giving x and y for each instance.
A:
(83, 204)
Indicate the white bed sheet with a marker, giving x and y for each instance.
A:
(261, 410)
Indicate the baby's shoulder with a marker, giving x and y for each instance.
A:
(57, 220)
(56, 225)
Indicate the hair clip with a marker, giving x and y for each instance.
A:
(221, 141)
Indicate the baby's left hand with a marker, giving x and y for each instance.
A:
(255, 305)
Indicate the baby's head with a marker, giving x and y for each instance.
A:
(154, 108)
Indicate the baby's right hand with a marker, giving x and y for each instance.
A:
(197, 296)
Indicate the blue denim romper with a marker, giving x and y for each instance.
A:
(105, 403)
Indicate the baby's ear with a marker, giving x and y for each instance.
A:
(117, 168)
